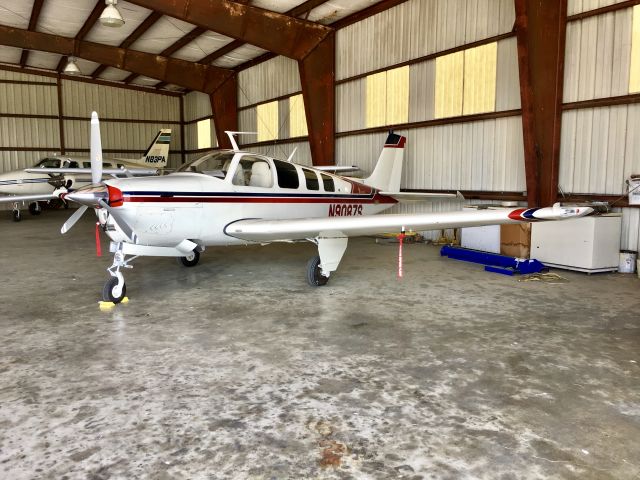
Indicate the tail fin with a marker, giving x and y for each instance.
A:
(388, 172)
(158, 152)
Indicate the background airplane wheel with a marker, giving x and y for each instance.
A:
(191, 260)
(34, 208)
(107, 291)
(314, 273)
(17, 216)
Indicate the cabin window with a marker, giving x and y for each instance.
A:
(287, 175)
(311, 179)
(466, 82)
(253, 172)
(120, 165)
(327, 181)
(267, 119)
(86, 164)
(73, 164)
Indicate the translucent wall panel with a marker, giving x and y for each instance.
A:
(297, 118)
(273, 78)
(29, 99)
(598, 56)
(267, 121)
(417, 28)
(196, 105)
(600, 148)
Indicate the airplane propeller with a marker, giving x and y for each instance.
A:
(95, 195)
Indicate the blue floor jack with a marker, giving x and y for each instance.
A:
(493, 262)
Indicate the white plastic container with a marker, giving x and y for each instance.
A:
(627, 261)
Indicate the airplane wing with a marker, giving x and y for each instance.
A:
(259, 230)
(26, 198)
(136, 172)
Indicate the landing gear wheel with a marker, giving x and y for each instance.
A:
(17, 216)
(109, 288)
(314, 273)
(191, 260)
(35, 209)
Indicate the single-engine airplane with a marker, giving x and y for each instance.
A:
(34, 184)
(231, 197)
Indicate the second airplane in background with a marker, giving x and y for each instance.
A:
(32, 185)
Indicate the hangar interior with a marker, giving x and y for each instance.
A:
(452, 373)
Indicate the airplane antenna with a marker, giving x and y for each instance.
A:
(290, 159)
(232, 138)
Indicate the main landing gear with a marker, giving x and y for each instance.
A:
(330, 252)
(34, 209)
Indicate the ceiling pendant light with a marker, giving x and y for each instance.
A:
(72, 67)
(110, 16)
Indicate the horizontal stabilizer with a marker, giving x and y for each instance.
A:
(338, 169)
(411, 197)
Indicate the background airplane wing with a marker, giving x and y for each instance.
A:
(27, 198)
(408, 197)
(259, 230)
(105, 171)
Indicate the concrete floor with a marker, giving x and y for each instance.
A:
(237, 369)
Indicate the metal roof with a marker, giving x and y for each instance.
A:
(145, 31)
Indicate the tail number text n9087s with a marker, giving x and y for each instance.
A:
(342, 210)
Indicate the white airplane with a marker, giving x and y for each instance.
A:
(231, 197)
(38, 183)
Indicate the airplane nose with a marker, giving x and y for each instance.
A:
(89, 195)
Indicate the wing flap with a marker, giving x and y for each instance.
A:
(260, 230)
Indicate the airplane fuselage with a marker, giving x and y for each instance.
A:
(200, 207)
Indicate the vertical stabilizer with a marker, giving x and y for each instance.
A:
(388, 172)
(157, 154)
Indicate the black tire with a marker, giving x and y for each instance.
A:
(34, 208)
(191, 260)
(107, 291)
(314, 273)
(17, 216)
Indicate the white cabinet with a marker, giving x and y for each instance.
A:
(587, 244)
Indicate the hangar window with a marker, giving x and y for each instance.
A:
(287, 174)
(388, 97)
(297, 118)
(311, 179)
(267, 120)
(204, 133)
(634, 74)
(466, 82)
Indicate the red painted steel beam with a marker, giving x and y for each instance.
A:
(33, 22)
(224, 106)
(282, 34)
(541, 33)
(135, 35)
(317, 76)
(195, 76)
(94, 16)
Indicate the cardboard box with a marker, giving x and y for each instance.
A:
(515, 240)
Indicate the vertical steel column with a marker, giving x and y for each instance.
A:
(541, 27)
(60, 114)
(224, 106)
(182, 155)
(317, 76)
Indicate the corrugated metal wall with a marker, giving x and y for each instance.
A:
(600, 147)
(196, 106)
(78, 100)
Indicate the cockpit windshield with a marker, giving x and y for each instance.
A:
(48, 163)
(214, 164)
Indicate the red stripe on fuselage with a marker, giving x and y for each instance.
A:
(376, 199)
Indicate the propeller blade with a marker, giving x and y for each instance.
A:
(73, 219)
(96, 150)
(124, 226)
